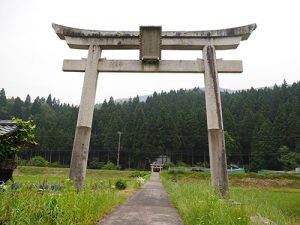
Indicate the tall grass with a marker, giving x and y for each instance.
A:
(27, 206)
(198, 205)
(28, 202)
(280, 205)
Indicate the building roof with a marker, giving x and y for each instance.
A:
(7, 128)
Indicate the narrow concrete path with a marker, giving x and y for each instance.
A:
(148, 206)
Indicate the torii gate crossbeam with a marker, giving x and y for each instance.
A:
(150, 41)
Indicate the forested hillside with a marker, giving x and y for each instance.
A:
(262, 127)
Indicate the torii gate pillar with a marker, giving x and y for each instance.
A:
(150, 41)
(216, 141)
(85, 118)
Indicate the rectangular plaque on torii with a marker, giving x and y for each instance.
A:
(150, 40)
(150, 44)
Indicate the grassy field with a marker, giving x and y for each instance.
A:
(276, 197)
(28, 202)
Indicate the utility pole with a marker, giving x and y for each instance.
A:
(119, 146)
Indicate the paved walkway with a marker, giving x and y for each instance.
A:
(148, 206)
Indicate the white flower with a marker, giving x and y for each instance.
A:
(140, 180)
(3, 186)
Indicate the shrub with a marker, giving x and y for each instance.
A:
(56, 187)
(38, 161)
(288, 160)
(203, 164)
(56, 164)
(17, 185)
(181, 164)
(95, 164)
(110, 166)
(24, 137)
(179, 170)
(138, 174)
(21, 162)
(3, 186)
(121, 184)
(167, 165)
(140, 181)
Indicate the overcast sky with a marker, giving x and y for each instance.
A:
(31, 55)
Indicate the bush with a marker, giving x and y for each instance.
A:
(24, 137)
(95, 164)
(139, 182)
(289, 160)
(138, 174)
(21, 162)
(56, 164)
(17, 186)
(3, 186)
(179, 170)
(38, 161)
(203, 164)
(121, 184)
(167, 165)
(110, 166)
(181, 164)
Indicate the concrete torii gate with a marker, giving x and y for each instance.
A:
(150, 40)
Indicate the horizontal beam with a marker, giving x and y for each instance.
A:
(170, 40)
(242, 31)
(193, 43)
(164, 66)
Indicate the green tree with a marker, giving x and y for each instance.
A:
(27, 108)
(22, 139)
(232, 150)
(188, 135)
(168, 133)
(36, 106)
(28, 100)
(3, 105)
(17, 108)
(2, 98)
(263, 151)
(281, 128)
(288, 160)
(172, 123)
(49, 100)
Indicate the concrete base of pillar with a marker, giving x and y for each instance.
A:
(80, 156)
(218, 162)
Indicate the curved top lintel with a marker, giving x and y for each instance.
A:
(243, 31)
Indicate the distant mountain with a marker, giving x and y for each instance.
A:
(143, 98)
(225, 90)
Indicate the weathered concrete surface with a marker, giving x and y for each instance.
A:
(175, 40)
(244, 31)
(148, 206)
(164, 66)
(85, 116)
(218, 163)
(216, 141)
